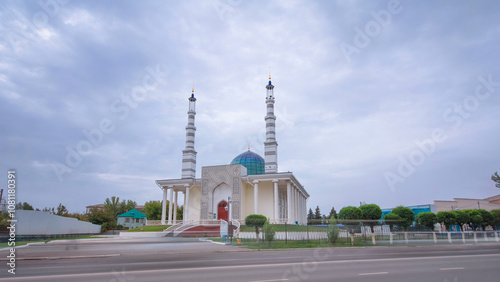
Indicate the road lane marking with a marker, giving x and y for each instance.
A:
(284, 279)
(226, 267)
(451, 268)
(373, 273)
(66, 257)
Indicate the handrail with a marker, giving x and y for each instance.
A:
(176, 229)
(236, 231)
(172, 228)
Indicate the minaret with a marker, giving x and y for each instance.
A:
(270, 146)
(189, 154)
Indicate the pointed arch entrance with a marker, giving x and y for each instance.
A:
(222, 210)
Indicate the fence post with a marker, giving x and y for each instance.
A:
(406, 237)
(307, 230)
(286, 234)
(475, 236)
(435, 237)
(449, 237)
(496, 235)
(485, 235)
(390, 237)
(463, 236)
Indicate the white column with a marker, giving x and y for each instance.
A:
(175, 207)
(304, 210)
(170, 205)
(289, 202)
(229, 211)
(183, 206)
(276, 202)
(186, 206)
(300, 208)
(296, 206)
(255, 197)
(164, 207)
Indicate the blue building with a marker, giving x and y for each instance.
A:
(416, 209)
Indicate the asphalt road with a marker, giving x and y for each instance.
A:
(167, 259)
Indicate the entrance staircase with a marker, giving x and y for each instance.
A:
(201, 228)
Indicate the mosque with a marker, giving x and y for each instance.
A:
(248, 185)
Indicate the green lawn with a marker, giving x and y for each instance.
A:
(280, 244)
(149, 228)
(22, 243)
(289, 228)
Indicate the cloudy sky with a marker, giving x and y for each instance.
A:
(380, 102)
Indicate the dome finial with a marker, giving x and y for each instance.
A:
(269, 75)
(248, 146)
(192, 91)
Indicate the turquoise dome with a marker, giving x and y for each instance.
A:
(254, 163)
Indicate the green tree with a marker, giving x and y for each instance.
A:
(180, 212)
(310, 216)
(112, 205)
(462, 218)
(103, 218)
(496, 215)
(446, 218)
(317, 213)
(407, 216)
(46, 209)
(427, 219)
(79, 216)
(488, 218)
(350, 213)
(350, 217)
(255, 220)
(125, 206)
(24, 206)
(475, 219)
(391, 220)
(333, 213)
(62, 210)
(496, 178)
(371, 212)
(153, 210)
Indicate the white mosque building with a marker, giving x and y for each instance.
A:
(248, 185)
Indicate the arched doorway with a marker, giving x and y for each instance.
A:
(222, 210)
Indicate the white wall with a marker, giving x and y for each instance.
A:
(44, 223)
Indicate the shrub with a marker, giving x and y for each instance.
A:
(269, 232)
(475, 218)
(407, 216)
(333, 231)
(371, 212)
(255, 220)
(462, 218)
(446, 218)
(391, 220)
(427, 219)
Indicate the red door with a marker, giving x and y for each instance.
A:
(222, 210)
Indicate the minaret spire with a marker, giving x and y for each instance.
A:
(270, 146)
(189, 154)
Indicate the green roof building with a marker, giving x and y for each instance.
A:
(131, 219)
